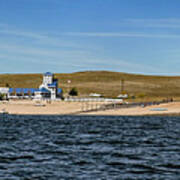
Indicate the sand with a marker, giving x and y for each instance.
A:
(165, 109)
(64, 108)
(32, 107)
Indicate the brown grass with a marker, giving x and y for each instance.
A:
(104, 82)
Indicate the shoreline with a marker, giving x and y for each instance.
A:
(61, 108)
(96, 115)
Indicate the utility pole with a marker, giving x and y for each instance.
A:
(122, 86)
(69, 82)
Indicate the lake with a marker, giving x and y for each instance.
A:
(89, 147)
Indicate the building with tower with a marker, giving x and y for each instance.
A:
(48, 90)
(49, 87)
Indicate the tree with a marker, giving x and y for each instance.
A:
(7, 85)
(142, 95)
(73, 92)
(2, 96)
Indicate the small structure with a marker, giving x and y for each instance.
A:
(122, 96)
(95, 95)
(47, 90)
(4, 90)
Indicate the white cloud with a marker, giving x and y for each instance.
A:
(44, 52)
(39, 38)
(21, 33)
(153, 23)
(6, 29)
(122, 65)
(73, 59)
(50, 52)
(121, 34)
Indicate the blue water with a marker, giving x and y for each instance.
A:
(94, 147)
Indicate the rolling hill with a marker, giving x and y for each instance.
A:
(104, 82)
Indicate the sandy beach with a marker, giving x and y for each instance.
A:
(32, 107)
(64, 108)
(162, 109)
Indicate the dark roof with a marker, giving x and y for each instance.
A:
(31, 90)
(48, 74)
(43, 90)
(22, 90)
(59, 90)
(54, 84)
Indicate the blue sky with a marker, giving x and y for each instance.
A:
(134, 36)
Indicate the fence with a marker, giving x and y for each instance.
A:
(92, 100)
(90, 107)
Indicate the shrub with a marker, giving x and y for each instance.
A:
(73, 92)
(141, 95)
(2, 96)
(7, 85)
(133, 97)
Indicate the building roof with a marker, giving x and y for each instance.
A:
(48, 74)
(43, 90)
(59, 90)
(31, 90)
(22, 90)
(54, 84)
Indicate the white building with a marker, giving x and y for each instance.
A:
(4, 90)
(49, 87)
(47, 90)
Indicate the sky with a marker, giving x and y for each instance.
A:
(63, 36)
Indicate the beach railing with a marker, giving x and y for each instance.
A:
(92, 100)
(110, 105)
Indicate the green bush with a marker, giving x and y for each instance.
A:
(141, 95)
(7, 85)
(2, 96)
(73, 92)
(133, 97)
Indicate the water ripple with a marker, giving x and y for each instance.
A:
(89, 147)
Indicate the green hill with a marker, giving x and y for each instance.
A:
(104, 82)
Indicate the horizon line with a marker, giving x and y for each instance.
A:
(130, 73)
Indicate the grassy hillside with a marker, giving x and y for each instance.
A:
(103, 82)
